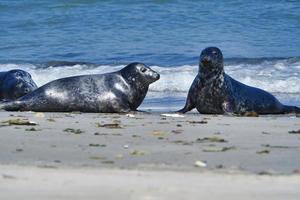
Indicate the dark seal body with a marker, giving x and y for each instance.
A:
(116, 92)
(214, 92)
(14, 84)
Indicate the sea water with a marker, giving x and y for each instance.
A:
(52, 39)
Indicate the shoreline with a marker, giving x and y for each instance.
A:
(263, 144)
(148, 156)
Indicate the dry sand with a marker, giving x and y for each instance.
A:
(149, 156)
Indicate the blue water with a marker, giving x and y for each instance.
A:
(259, 39)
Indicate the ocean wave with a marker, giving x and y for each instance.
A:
(273, 75)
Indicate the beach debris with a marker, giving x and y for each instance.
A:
(32, 129)
(265, 151)
(137, 153)
(220, 166)
(108, 162)
(3, 125)
(51, 120)
(72, 130)
(126, 146)
(265, 173)
(280, 146)
(265, 133)
(223, 124)
(200, 163)
(57, 161)
(97, 145)
(217, 133)
(19, 150)
(158, 133)
(183, 142)
(47, 166)
(178, 125)
(119, 156)
(109, 125)
(22, 122)
(69, 115)
(100, 133)
(116, 134)
(6, 176)
(135, 136)
(130, 115)
(217, 149)
(197, 122)
(97, 157)
(172, 115)
(206, 118)
(211, 139)
(39, 115)
(294, 132)
(250, 114)
(177, 131)
(163, 122)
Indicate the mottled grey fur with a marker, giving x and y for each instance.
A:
(116, 92)
(214, 92)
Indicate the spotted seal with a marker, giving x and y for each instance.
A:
(116, 92)
(14, 84)
(215, 92)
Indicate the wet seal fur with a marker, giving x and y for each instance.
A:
(14, 84)
(115, 92)
(214, 92)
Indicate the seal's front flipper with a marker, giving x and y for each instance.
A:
(139, 112)
(228, 108)
(188, 106)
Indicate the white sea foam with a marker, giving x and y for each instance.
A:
(275, 77)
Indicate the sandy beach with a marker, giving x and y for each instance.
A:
(148, 156)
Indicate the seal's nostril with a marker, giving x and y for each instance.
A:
(206, 60)
(157, 76)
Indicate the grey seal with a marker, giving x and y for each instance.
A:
(116, 92)
(15, 83)
(215, 92)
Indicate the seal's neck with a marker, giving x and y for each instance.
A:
(138, 98)
(210, 76)
(138, 88)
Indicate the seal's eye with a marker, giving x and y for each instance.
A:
(143, 69)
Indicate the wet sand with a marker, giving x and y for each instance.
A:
(194, 155)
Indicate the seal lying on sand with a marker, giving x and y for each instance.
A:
(214, 92)
(120, 91)
(14, 84)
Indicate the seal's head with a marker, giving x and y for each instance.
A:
(139, 72)
(211, 61)
(17, 83)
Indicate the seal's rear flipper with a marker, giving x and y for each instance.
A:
(291, 109)
(11, 105)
